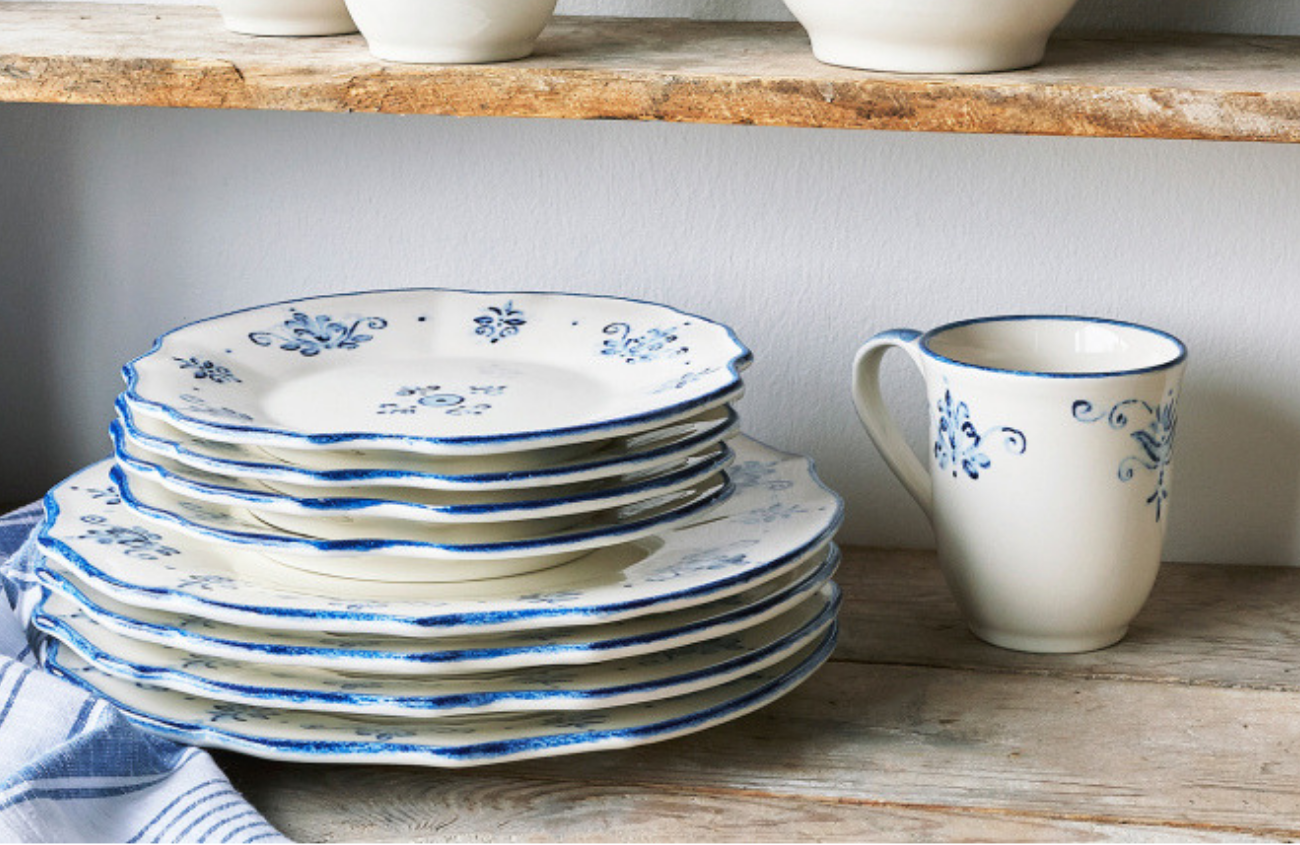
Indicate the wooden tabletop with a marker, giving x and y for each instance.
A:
(1125, 85)
(915, 730)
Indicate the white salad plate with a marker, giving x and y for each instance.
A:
(439, 372)
(780, 516)
(353, 468)
(453, 741)
(425, 507)
(438, 655)
(634, 680)
(410, 552)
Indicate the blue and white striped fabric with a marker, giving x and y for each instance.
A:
(72, 769)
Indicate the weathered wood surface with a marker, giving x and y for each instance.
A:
(1161, 86)
(404, 805)
(1188, 730)
(1230, 626)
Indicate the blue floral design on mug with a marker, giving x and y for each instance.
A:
(959, 445)
(1155, 439)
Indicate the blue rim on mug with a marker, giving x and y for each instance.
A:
(923, 343)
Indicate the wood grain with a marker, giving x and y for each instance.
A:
(1095, 751)
(371, 804)
(1228, 626)
(1160, 86)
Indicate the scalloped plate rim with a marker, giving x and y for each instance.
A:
(740, 358)
(388, 752)
(379, 704)
(353, 619)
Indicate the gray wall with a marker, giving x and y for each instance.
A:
(120, 223)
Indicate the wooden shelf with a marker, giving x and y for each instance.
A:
(1163, 86)
(915, 730)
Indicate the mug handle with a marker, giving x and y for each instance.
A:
(877, 420)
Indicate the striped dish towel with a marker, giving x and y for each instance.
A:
(72, 769)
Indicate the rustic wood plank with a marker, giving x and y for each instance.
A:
(1229, 626)
(1095, 751)
(1164, 86)
(373, 804)
(865, 742)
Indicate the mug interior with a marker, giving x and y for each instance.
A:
(1064, 346)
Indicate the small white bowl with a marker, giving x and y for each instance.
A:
(451, 31)
(930, 36)
(286, 17)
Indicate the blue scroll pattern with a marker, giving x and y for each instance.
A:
(1152, 429)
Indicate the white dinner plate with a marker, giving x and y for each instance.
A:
(454, 741)
(440, 655)
(425, 507)
(613, 683)
(779, 516)
(348, 469)
(441, 372)
(411, 552)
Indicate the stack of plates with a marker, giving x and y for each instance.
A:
(438, 527)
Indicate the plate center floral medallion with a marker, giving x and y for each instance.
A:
(447, 396)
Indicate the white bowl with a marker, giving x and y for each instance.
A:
(930, 36)
(451, 31)
(286, 17)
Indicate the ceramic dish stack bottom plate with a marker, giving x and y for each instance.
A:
(636, 679)
(220, 643)
(454, 741)
(431, 435)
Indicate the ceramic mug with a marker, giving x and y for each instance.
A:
(1049, 471)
